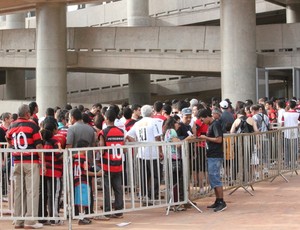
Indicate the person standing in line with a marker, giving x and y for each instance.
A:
(112, 163)
(291, 119)
(24, 134)
(147, 130)
(215, 157)
(34, 109)
(136, 112)
(80, 131)
(226, 118)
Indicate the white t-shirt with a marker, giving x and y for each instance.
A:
(145, 130)
(118, 123)
(280, 113)
(291, 119)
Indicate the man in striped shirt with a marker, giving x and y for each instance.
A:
(24, 134)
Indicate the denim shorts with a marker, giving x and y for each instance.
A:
(214, 167)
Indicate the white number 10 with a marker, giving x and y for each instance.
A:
(17, 142)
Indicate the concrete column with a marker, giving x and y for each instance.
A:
(293, 11)
(138, 13)
(139, 89)
(139, 84)
(238, 49)
(51, 70)
(15, 79)
(15, 84)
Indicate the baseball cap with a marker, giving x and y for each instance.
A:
(186, 111)
(193, 102)
(224, 104)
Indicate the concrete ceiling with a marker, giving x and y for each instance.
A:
(8, 6)
(283, 3)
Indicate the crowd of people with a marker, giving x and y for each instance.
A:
(168, 121)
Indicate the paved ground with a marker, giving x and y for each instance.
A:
(275, 205)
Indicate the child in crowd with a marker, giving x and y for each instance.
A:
(81, 182)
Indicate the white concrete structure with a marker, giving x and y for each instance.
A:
(182, 60)
(51, 63)
(238, 56)
(15, 79)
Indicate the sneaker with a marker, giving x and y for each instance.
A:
(34, 226)
(214, 205)
(57, 223)
(117, 216)
(202, 191)
(84, 221)
(103, 218)
(179, 208)
(266, 172)
(221, 206)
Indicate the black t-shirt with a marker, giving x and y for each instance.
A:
(2, 135)
(213, 149)
(182, 131)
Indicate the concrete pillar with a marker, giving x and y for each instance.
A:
(238, 49)
(139, 84)
(138, 13)
(293, 11)
(15, 78)
(51, 70)
(139, 89)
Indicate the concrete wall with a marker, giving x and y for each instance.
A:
(162, 12)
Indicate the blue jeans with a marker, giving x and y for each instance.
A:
(214, 166)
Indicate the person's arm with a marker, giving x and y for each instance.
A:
(70, 138)
(218, 140)
(254, 124)
(130, 139)
(101, 141)
(161, 154)
(233, 127)
(194, 129)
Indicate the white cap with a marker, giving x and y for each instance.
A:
(224, 104)
(193, 102)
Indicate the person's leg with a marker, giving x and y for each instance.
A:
(43, 198)
(116, 183)
(107, 192)
(156, 169)
(141, 167)
(32, 178)
(19, 196)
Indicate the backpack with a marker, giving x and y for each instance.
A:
(243, 126)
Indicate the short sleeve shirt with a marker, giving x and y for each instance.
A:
(214, 150)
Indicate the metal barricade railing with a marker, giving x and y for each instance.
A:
(248, 159)
(35, 196)
(145, 181)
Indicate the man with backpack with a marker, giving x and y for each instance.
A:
(263, 125)
(244, 124)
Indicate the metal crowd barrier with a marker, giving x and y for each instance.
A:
(248, 159)
(26, 186)
(145, 181)
(88, 191)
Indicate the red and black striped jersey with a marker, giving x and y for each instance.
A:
(129, 123)
(80, 169)
(112, 159)
(53, 160)
(61, 139)
(24, 134)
